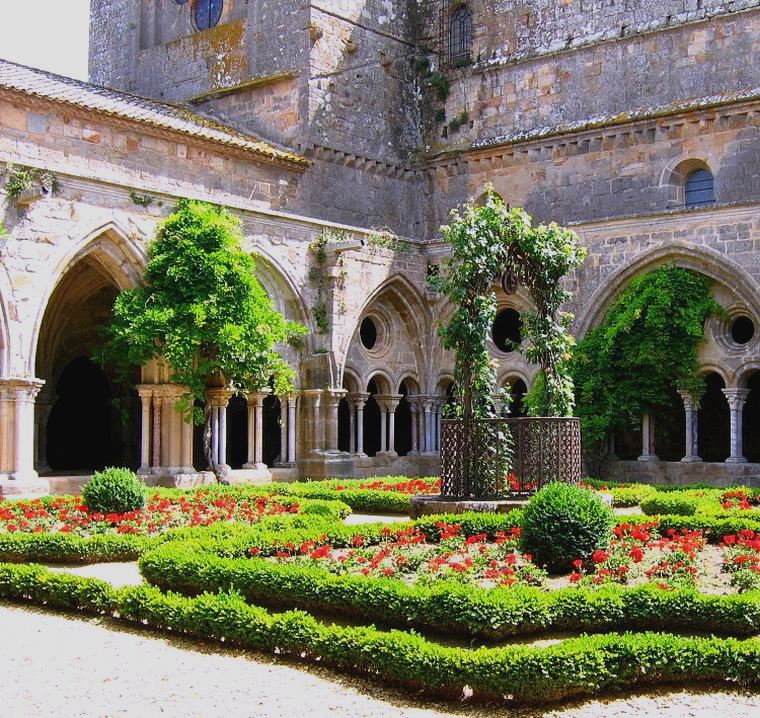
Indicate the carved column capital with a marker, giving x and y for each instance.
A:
(736, 398)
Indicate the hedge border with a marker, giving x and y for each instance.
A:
(576, 667)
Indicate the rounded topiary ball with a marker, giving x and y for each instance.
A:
(562, 523)
(114, 491)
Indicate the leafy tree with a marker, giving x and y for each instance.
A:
(202, 310)
(645, 348)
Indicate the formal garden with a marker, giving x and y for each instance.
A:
(572, 587)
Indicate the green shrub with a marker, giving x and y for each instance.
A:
(114, 491)
(670, 504)
(626, 496)
(562, 523)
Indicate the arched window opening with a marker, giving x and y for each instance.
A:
(403, 422)
(670, 429)
(714, 422)
(742, 330)
(237, 432)
(207, 13)
(699, 189)
(372, 418)
(368, 333)
(507, 330)
(344, 425)
(460, 36)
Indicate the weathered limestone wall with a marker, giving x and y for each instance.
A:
(613, 170)
(544, 85)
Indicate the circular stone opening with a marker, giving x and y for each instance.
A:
(368, 333)
(742, 330)
(507, 330)
(207, 13)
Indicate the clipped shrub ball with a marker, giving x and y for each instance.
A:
(664, 504)
(114, 491)
(562, 523)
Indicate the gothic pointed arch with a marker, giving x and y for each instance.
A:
(713, 265)
(281, 288)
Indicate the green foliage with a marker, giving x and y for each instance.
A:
(114, 491)
(645, 349)
(562, 523)
(19, 179)
(201, 308)
(459, 121)
(485, 242)
(528, 674)
(675, 504)
(448, 607)
(627, 496)
(440, 84)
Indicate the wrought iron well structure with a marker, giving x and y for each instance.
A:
(544, 449)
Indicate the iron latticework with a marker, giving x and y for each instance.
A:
(543, 449)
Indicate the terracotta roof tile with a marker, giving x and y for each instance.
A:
(40, 83)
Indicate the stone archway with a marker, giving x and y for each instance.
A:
(86, 417)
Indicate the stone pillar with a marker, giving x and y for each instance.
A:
(158, 401)
(358, 401)
(283, 431)
(691, 409)
(387, 404)
(219, 400)
(146, 426)
(428, 407)
(647, 439)
(291, 455)
(736, 400)
(42, 414)
(414, 408)
(256, 430)
(312, 419)
(438, 410)
(173, 453)
(187, 442)
(331, 401)
(18, 477)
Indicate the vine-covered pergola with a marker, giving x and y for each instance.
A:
(491, 243)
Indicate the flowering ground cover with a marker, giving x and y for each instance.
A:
(67, 514)
(639, 553)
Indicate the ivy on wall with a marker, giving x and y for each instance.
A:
(645, 348)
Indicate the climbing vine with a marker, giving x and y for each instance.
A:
(645, 348)
(487, 241)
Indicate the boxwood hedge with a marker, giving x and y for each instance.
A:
(523, 674)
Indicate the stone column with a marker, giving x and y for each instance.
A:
(158, 401)
(173, 458)
(383, 426)
(691, 410)
(351, 428)
(736, 400)
(18, 477)
(187, 442)
(414, 408)
(311, 417)
(647, 439)
(219, 400)
(145, 393)
(42, 414)
(256, 430)
(331, 401)
(428, 407)
(358, 401)
(391, 403)
(438, 411)
(283, 431)
(291, 430)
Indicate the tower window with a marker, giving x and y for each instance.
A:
(207, 13)
(699, 189)
(460, 36)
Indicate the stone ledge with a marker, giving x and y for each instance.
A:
(24, 489)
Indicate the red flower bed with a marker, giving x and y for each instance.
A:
(67, 514)
(412, 486)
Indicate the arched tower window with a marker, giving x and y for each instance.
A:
(699, 188)
(207, 13)
(460, 35)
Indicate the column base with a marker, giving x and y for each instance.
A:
(258, 467)
(24, 488)
(144, 471)
(736, 460)
(388, 454)
(691, 460)
(648, 457)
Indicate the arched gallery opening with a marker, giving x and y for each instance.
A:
(403, 436)
(518, 390)
(670, 429)
(86, 418)
(714, 425)
(751, 420)
(372, 420)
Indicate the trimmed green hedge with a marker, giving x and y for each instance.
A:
(525, 674)
(450, 607)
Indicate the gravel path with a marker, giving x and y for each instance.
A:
(85, 667)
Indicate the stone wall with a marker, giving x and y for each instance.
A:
(653, 69)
